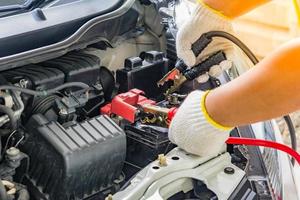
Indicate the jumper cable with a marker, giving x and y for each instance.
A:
(264, 143)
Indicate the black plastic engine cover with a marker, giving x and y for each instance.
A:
(37, 77)
(76, 162)
(77, 67)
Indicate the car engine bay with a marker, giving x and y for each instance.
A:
(92, 122)
(100, 136)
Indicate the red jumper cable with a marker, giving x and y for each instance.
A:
(264, 143)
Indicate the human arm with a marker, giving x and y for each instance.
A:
(269, 90)
(202, 128)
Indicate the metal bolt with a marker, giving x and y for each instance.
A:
(63, 111)
(162, 160)
(173, 99)
(229, 170)
(109, 197)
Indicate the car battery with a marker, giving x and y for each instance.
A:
(143, 73)
(144, 144)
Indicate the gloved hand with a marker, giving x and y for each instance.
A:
(203, 19)
(194, 131)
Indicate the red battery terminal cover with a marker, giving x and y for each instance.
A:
(126, 104)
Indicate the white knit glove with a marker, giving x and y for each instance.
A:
(195, 19)
(194, 131)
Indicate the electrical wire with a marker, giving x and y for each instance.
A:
(45, 92)
(236, 41)
(254, 60)
(264, 143)
(20, 140)
(7, 141)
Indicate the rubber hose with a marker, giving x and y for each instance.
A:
(12, 120)
(44, 104)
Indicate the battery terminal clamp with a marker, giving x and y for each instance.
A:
(196, 71)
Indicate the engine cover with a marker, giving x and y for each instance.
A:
(74, 162)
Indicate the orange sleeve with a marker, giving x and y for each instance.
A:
(233, 8)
